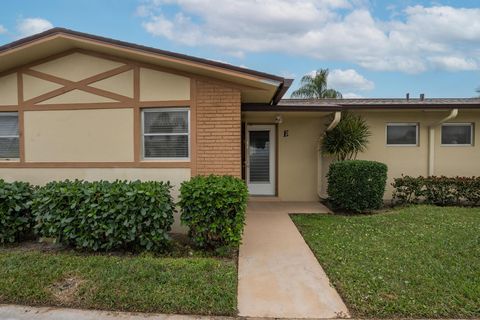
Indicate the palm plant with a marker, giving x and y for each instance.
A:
(347, 139)
(315, 87)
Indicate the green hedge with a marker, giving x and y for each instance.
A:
(15, 216)
(356, 185)
(441, 191)
(213, 208)
(105, 215)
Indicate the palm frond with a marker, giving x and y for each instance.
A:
(348, 138)
(315, 87)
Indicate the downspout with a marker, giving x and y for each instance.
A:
(336, 119)
(431, 140)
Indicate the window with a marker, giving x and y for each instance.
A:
(459, 134)
(165, 133)
(402, 134)
(9, 142)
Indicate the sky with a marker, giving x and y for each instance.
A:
(373, 49)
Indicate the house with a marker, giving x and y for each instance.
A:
(74, 105)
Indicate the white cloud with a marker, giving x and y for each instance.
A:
(29, 26)
(349, 79)
(452, 63)
(3, 29)
(416, 39)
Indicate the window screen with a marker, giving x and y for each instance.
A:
(9, 142)
(166, 133)
(457, 133)
(402, 134)
(259, 150)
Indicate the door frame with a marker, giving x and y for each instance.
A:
(245, 146)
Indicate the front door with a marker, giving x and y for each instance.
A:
(260, 158)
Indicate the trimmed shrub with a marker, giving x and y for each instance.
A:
(356, 185)
(442, 191)
(15, 216)
(213, 207)
(103, 215)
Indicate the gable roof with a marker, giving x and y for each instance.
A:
(56, 40)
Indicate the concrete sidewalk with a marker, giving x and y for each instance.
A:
(279, 277)
(15, 312)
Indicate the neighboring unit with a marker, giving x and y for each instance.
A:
(74, 105)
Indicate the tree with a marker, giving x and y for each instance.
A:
(478, 90)
(315, 87)
(347, 139)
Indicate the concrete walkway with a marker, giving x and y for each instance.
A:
(15, 312)
(279, 277)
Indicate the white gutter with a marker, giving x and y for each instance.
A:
(431, 140)
(336, 119)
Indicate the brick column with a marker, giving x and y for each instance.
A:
(218, 129)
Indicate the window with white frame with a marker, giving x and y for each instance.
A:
(166, 133)
(9, 141)
(402, 134)
(458, 134)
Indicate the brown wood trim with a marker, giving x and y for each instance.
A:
(89, 80)
(166, 103)
(79, 106)
(137, 128)
(156, 164)
(193, 127)
(106, 94)
(69, 85)
(8, 108)
(21, 118)
(136, 83)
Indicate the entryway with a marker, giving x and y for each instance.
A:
(278, 275)
(260, 159)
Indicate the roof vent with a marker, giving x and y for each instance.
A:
(422, 96)
(407, 96)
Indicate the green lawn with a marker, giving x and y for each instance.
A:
(418, 261)
(196, 285)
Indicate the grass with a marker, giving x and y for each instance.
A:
(418, 261)
(195, 285)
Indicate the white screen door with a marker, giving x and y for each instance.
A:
(260, 149)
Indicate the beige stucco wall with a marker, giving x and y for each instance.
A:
(79, 135)
(8, 90)
(77, 66)
(413, 160)
(297, 153)
(42, 176)
(156, 85)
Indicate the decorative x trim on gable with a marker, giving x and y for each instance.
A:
(83, 85)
